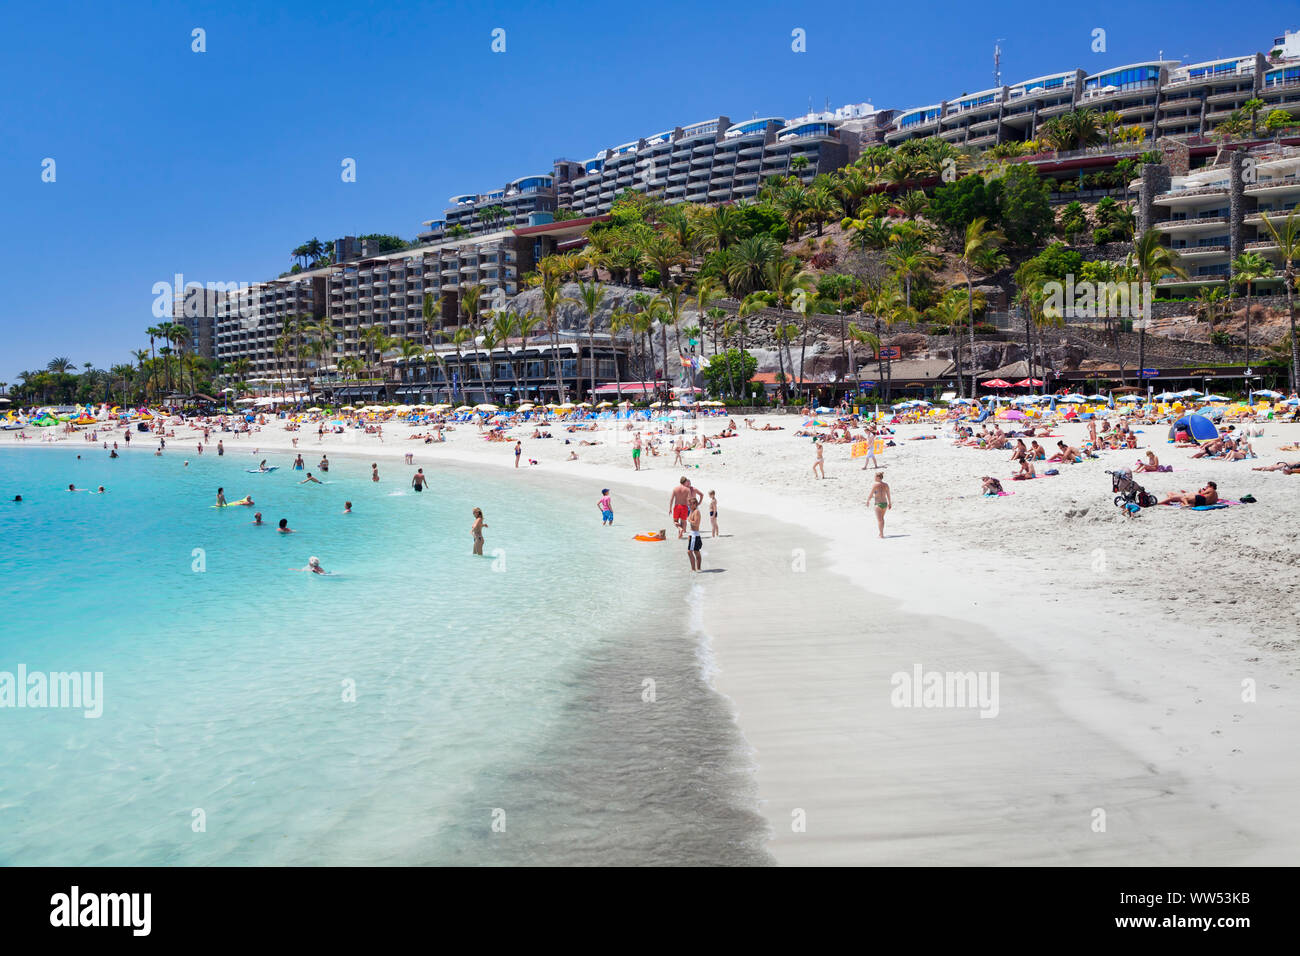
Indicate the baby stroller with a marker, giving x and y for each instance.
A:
(1129, 495)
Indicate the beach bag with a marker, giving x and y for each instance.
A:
(1248, 499)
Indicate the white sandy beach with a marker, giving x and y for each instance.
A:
(1120, 646)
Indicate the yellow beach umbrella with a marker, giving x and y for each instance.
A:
(605, 405)
(464, 408)
(526, 407)
(486, 408)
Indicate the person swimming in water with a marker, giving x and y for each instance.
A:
(309, 478)
(284, 527)
(347, 507)
(257, 518)
(313, 565)
(221, 497)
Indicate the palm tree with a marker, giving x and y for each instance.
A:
(980, 255)
(859, 336)
(504, 325)
(1151, 261)
(1287, 236)
(663, 252)
(1252, 108)
(1209, 305)
(1247, 269)
(469, 299)
(620, 319)
(463, 334)
(792, 287)
(552, 299)
(430, 309)
(910, 264)
(750, 263)
(673, 304)
(592, 296)
(60, 364)
(784, 334)
(716, 317)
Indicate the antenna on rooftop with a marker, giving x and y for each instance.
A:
(997, 61)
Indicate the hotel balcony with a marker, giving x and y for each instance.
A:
(1274, 187)
(1201, 252)
(1206, 224)
(1189, 197)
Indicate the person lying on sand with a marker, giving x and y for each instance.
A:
(1206, 496)
(1287, 468)
(1068, 454)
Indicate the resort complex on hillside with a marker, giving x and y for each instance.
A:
(365, 303)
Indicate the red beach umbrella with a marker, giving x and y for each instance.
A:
(997, 383)
(1026, 383)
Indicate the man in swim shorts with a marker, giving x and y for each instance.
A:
(419, 481)
(636, 452)
(679, 505)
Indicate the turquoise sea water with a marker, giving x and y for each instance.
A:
(506, 689)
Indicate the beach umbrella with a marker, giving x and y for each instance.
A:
(1292, 401)
(1011, 415)
(1028, 383)
(583, 405)
(1098, 398)
(1267, 393)
(486, 408)
(963, 401)
(605, 405)
(464, 408)
(1128, 398)
(526, 407)
(1165, 396)
(1218, 398)
(656, 404)
(996, 383)
(1189, 393)
(821, 410)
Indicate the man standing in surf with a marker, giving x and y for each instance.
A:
(679, 505)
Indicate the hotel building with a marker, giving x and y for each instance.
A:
(1211, 215)
(1162, 96)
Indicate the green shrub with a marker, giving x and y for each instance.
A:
(1102, 236)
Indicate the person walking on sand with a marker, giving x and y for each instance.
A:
(819, 465)
(519, 450)
(713, 512)
(476, 530)
(606, 507)
(636, 451)
(881, 498)
(679, 505)
(694, 542)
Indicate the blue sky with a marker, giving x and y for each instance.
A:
(216, 164)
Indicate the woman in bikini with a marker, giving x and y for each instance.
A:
(476, 529)
(881, 498)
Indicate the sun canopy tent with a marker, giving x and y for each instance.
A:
(1198, 426)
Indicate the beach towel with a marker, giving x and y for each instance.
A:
(1214, 507)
